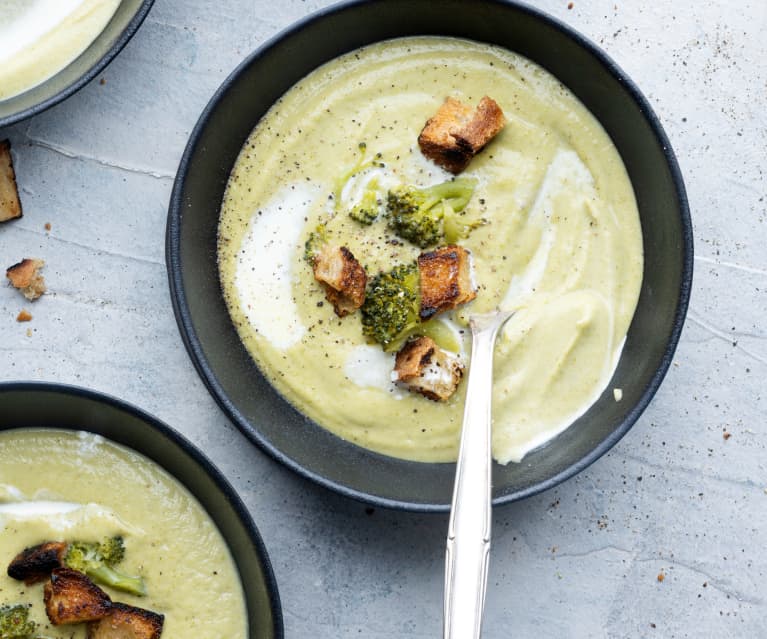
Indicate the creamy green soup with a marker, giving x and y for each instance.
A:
(38, 38)
(62, 485)
(562, 244)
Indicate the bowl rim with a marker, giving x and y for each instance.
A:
(125, 36)
(221, 482)
(207, 374)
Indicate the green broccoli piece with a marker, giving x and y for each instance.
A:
(360, 165)
(430, 215)
(317, 239)
(392, 302)
(367, 210)
(98, 560)
(15, 623)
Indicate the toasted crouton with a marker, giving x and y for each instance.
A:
(456, 132)
(446, 279)
(436, 141)
(343, 278)
(423, 367)
(36, 563)
(10, 204)
(127, 622)
(26, 277)
(487, 122)
(70, 597)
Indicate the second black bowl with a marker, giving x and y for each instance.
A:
(118, 31)
(40, 405)
(230, 373)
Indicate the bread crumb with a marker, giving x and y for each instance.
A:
(446, 279)
(726, 435)
(570, 5)
(343, 278)
(24, 316)
(26, 277)
(618, 394)
(423, 367)
(457, 132)
(10, 204)
(47, 226)
(661, 576)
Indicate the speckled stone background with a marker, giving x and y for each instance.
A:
(663, 537)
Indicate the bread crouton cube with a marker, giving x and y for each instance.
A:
(26, 277)
(70, 597)
(446, 279)
(343, 278)
(423, 367)
(456, 132)
(127, 622)
(436, 141)
(10, 204)
(36, 563)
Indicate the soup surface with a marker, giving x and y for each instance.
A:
(62, 485)
(561, 245)
(38, 38)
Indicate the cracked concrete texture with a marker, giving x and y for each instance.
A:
(676, 497)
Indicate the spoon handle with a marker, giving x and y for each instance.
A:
(468, 537)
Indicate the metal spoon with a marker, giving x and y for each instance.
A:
(468, 537)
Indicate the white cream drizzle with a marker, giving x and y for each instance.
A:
(264, 275)
(61, 516)
(368, 366)
(565, 172)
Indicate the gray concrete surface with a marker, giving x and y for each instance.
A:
(673, 498)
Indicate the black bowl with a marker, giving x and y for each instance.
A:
(40, 405)
(119, 30)
(229, 372)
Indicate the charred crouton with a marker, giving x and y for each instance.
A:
(445, 279)
(70, 597)
(127, 622)
(26, 277)
(456, 132)
(36, 563)
(423, 367)
(343, 278)
(485, 124)
(436, 140)
(10, 204)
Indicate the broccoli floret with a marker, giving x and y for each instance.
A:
(369, 203)
(429, 216)
(98, 560)
(390, 311)
(317, 239)
(367, 209)
(15, 623)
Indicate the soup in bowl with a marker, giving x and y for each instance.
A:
(148, 524)
(353, 463)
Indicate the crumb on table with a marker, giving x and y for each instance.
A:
(25, 276)
(10, 204)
